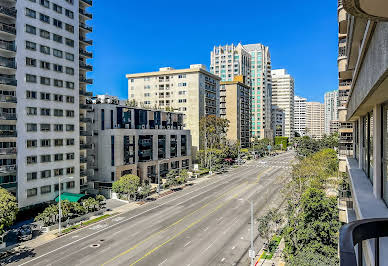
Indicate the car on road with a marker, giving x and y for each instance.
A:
(24, 233)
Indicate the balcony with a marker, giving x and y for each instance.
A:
(7, 151)
(7, 29)
(83, 159)
(8, 11)
(83, 12)
(8, 134)
(85, 66)
(346, 140)
(7, 116)
(85, 146)
(85, 93)
(87, 2)
(7, 63)
(8, 82)
(355, 233)
(83, 173)
(85, 80)
(342, 21)
(85, 119)
(84, 40)
(8, 46)
(85, 27)
(85, 106)
(8, 169)
(8, 99)
(85, 53)
(85, 133)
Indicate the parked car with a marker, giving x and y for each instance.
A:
(24, 233)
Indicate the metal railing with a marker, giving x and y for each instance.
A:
(8, 99)
(82, 39)
(85, 133)
(85, 53)
(5, 62)
(7, 116)
(10, 46)
(8, 81)
(9, 11)
(85, 146)
(7, 168)
(7, 28)
(8, 133)
(8, 151)
(85, 66)
(85, 106)
(354, 233)
(86, 27)
(85, 119)
(88, 2)
(85, 80)
(83, 12)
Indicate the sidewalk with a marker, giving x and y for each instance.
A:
(277, 258)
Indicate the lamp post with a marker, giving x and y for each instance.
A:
(59, 202)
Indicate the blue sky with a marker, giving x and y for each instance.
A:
(141, 36)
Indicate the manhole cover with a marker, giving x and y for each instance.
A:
(95, 245)
(102, 240)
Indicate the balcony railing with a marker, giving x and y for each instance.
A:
(354, 233)
(85, 106)
(85, 80)
(7, 63)
(85, 13)
(88, 2)
(10, 46)
(8, 151)
(7, 116)
(85, 53)
(7, 28)
(346, 152)
(9, 11)
(85, 146)
(85, 133)
(85, 66)
(7, 134)
(85, 93)
(8, 81)
(86, 27)
(7, 169)
(83, 159)
(8, 99)
(82, 39)
(85, 120)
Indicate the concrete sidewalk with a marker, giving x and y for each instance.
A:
(277, 258)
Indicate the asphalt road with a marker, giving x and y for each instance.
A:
(206, 224)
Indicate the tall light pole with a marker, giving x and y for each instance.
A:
(59, 202)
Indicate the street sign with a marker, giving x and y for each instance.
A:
(252, 253)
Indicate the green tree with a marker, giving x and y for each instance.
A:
(127, 185)
(90, 204)
(269, 224)
(145, 189)
(101, 200)
(8, 210)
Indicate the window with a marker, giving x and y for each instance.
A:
(45, 81)
(32, 159)
(69, 142)
(45, 143)
(45, 111)
(30, 78)
(58, 112)
(70, 185)
(58, 157)
(70, 71)
(71, 2)
(57, 23)
(57, 53)
(57, 8)
(58, 68)
(32, 143)
(31, 110)
(70, 156)
(31, 94)
(69, 56)
(70, 170)
(45, 158)
(58, 127)
(69, 13)
(45, 96)
(69, 99)
(45, 174)
(45, 65)
(57, 38)
(30, 62)
(44, 49)
(69, 42)
(30, 13)
(70, 85)
(58, 83)
(58, 142)
(45, 3)
(69, 28)
(58, 98)
(45, 127)
(69, 113)
(44, 34)
(32, 192)
(32, 176)
(30, 45)
(44, 18)
(58, 172)
(30, 29)
(31, 127)
(45, 189)
(69, 127)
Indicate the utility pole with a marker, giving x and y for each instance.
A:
(252, 253)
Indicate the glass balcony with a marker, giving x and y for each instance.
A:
(83, 159)
(85, 53)
(85, 66)
(85, 119)
(7, 28)
(85, 146)
(85, 27)
(8, 134)
(8, 169)
(85, 80)
(85, 13)
(8, 11)
(88, 2)
(7, 116)
(9, 46)
(84, 40)
(85, 133)
(8, 63)
(8, 99)
(6, 151)
(8, 81)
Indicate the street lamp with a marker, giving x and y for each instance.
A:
(59, 201)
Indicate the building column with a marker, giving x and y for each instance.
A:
(168, 146)
(179, 145)
(188, 144)
(155, 147)
(377, 152)
(360, 142)
(136, 149)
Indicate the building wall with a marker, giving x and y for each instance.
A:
(315, 120)
(331, 109)
(300, 114)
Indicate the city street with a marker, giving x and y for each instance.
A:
(206, 224)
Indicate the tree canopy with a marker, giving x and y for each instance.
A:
(8, 210)
(127, 185)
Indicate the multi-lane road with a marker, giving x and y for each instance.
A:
(206, 224)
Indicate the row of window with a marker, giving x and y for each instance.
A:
(47, 173)
(31, 127)
(47, 50)
(47, 81)
(33, 143)
(46, 158)
(57, 8)
(47, 112)
(47, 96)
(47, 189)
(47, 66)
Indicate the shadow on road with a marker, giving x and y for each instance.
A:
(16, 255)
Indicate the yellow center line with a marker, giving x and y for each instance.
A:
(188, 227)
(171, 225)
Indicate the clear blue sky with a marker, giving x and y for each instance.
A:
(141, 36)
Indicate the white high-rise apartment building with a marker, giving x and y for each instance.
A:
(193, 92)
(283, 97)
(315, 120)
(331, 109)
(42, 83)
(252, 61)
(300, 110)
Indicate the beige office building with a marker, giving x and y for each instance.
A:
(235, 107)
(315, 120)
(193, 91)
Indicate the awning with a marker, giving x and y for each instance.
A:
(70, 197)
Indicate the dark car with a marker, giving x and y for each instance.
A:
(24, 233)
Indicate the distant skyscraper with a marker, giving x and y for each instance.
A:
(300, 112)
(331, 109)
(315, 120)
(283, 97)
